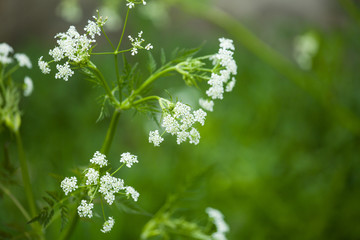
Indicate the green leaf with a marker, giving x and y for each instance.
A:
(162, 56)
(151, 66)
(129, 206)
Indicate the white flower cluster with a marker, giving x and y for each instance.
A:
(21, 58)
(221, 81)
(99, 159)
(69, 185)
(108, 225)
(136, 44)
(28, 86)
(128, 159)
(85, 209)
(73, 47)
(221, 226)
(179, 121)
(106, 185)
(131, 3)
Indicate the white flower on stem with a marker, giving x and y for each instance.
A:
(170, 124)
(208, 105)
(227, 44)
(200, 116)
(137, 43)
(23, 60)
(128, 159)
(69, 185)
(230, 85)
(28, 86)
(85, 209)
(99, 159)
(131, 191)
(92, 176)
(194, 136)
(5, 49)
(64, 71)
(149, 46)
(57, 54)
(110, 185)
(44, 66)
(130, 4)
(218, 219)
(182, 137)
(92, 29)
(108, 225)
(155, 138)
(144, 3)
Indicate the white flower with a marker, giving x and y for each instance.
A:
(181, 109)
(57, 53)
(149, 46)
(28, 86)
(64, 71)
(155, 138)
(230, 85)
(92, 29)
(206, 104)
(194, 136)
(226, 44)
(108, 225)
(182, 137)
(44, 66)
(110, 185)
(92, 176)
(218, 219)
(69, 185)
(99, 159)
(131, 191)
(170, 124)
(216, 91)
(85, 209)
(144, 2)
(200, 116)
(23, 60)
(130, 4)
(128, 159)
(134, 51)
(5, 49)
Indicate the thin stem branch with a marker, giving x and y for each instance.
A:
(123, 31)
(111, 132)
(118, 169)
(16, 202)
(107, 38)
(145, 99)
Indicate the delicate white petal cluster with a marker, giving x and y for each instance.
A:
(44, 66)
(130, 4)
(99, 159)
(28, 86)
(221, 226)
(179, 121)
(131, 191)
(69, 185)
(155, 138)
(137, 42)
(64, 71)
(306, 47)
(92, 176)
(128, 159)
(5, 50)
(225, 59)
(85, 209)
(110, 185)
(73, 47)
(23, 60)
(208, 105)
(108, 225)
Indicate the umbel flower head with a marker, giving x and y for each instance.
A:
(97, 182)
(72, 47)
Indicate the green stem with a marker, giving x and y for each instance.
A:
(25, 175)
(11, 71)
(111, 132)
(118, 169)
(305, 81)
(127, 103)
(123, 31)
(145, 99)
(112, 53)
(107, 38)
(16, 202)
(71, 229)
(104, 83)
(119, 83)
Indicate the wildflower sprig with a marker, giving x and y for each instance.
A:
(97, 182)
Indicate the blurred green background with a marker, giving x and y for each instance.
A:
(279, 164)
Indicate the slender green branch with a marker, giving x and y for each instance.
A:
(11, 71)
(127, 103)
(25, 175)
(107, 38)
(111, 132)
(112, 53)
(118, 80)
(16, 202)
(123, 31)
(118, 169)
(145, 99)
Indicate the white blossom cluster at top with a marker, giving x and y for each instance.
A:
(105, 184)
